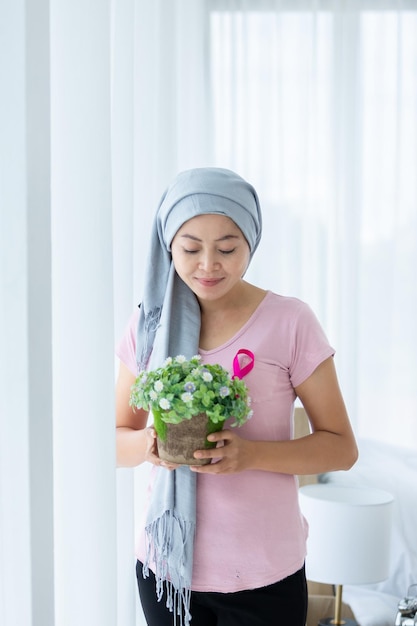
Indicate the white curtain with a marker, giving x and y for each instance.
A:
(102, 103)
(57, 457)
(26, 481)
(82, 296)
(315, 103)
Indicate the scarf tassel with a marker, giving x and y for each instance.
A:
(171, 567)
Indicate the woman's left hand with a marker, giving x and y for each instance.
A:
(231, 455)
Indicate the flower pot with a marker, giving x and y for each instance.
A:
(182, 440)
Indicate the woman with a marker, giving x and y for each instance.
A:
(246, 561)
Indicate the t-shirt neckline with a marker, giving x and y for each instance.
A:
(241, 330)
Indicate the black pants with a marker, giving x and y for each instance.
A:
(282, 604)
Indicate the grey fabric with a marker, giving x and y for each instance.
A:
(169, 325)
(170, 529)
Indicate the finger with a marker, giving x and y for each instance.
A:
(152, 447)
(156, 460)
(169, 466)
(214, 455)
(221, 435)
(211, 468)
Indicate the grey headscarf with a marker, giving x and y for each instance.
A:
(169, 325)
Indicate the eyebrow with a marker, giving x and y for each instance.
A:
(224, 238)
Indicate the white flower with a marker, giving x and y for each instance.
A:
(180, 358)
(207, 377)
(224, 391)
(187, 397)
(167, 361)
(164, 403)
(153, 395)
(158, 386)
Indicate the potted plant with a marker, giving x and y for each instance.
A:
(188, 401)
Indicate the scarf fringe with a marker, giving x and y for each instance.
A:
(171, 568)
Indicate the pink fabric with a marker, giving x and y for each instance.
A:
(250, 532)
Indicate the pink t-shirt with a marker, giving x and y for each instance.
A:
(250, 531)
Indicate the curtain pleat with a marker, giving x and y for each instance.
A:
(26, 486)
(83, 318)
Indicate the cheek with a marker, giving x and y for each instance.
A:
(245, 263)
(175, 254)
(182, 263)
(236, 264)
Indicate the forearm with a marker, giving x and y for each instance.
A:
(316, 453)
(131, 446)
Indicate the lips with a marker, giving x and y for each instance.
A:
(209, 282)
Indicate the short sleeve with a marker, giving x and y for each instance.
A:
(126, 347)
(310, 346)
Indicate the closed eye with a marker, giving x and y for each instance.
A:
(221, 251)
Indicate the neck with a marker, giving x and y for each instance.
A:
(235, 299)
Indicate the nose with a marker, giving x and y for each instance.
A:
(208, 261)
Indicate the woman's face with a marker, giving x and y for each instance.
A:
(210, 255)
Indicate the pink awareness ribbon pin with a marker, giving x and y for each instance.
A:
(238, 370)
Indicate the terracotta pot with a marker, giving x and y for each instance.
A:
(183, 439)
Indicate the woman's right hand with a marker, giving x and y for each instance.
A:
(151, 453)
(135, 441)
(151, 449)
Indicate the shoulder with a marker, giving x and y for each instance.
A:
(126, 346)
(289, 320)
(285, 306)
